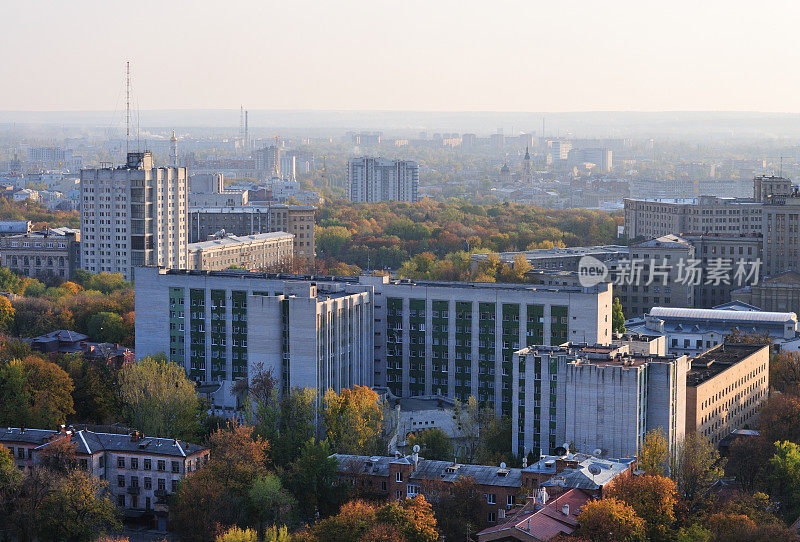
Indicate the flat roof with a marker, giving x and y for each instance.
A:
(723, 314)
(231, 240)
(717, 360)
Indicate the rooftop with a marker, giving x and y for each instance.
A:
(232, 240)
(723, 315)
(717, 360)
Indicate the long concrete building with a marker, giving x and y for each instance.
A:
(417, 338)
(258, 251)
(298, 220)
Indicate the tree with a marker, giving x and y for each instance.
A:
(10, 483)
(78, 508)
(313, 480)
(106, 327)
(785, 466)
(277, 534)
(653, 498)
(158, 398)
(287, 423)
(6, 314)
(235, 534)
(617, 317)
(779, 418)
(653, 455)
(95, 395)
(412, 517)
(784, 370)
(433, 443)
(268, 501)
(59, 455)
(696, 468)
(469, 418)
(458, 507)
(36, 393)
(748, 461)
(608, 520)
(353, 420)
(218, 496)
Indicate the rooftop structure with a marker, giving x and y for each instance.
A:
(258, 251)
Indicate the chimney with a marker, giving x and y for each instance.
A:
(565, 509)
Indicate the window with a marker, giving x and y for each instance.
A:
(120, 481)
(398, 477)
(148, 464)
(162, 465)
(135, 463)
(383, 486)
(510, 500)
(148, 483)
(120, 462)
(121, 500)
(490, 498)
(490, 517)
(162, 484)
(176, 467)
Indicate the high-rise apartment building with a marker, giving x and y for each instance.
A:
(378, 179)
(133, 215)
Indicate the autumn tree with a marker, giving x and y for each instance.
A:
(784, 370)
(158, 398)
(748, 461)
(433, 443)
(6, 314)
(458, 507)
(353, 420)
(779, 418)
(10, 483)
(695, 468)
(653, 456)
(617, 317)
(36, 393)
(235, 534)
(785, 467)
(106, 327)
(610, 520)
(77, 508)
(269, 502)
(313, 480)
(653, 498)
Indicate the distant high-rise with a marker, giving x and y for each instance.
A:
(378, 179)
(173, 149)
(133, 215)
(527, 171)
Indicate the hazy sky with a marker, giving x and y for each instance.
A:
(493, 55)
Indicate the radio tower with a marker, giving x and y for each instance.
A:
(173, 149)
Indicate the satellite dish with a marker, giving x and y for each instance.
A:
(594, 470)
(415, 448)
(597, 452)
(561, 451)
(503, 465)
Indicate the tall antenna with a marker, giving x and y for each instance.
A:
(127, 107)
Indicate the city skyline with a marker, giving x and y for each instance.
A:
(448, 56)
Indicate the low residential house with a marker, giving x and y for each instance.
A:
(142, 472)
(502, 488)
(540, 519)
(64, 341)
(593, 475)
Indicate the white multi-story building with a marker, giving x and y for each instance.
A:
(258, 251)
(133, 215)
(601, 400)
(223, 326)
(378, 179)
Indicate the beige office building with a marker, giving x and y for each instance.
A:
(252, 219)
(259, 251)
(725, 389)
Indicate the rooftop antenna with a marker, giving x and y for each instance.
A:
(780, 171)
(128, 107)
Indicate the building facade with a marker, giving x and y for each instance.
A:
(457, 339)
(779, 293)
(599, 399)
(378, 179)
(725, 389)
(141, 471)
(223, 326)
(258, 251)
(253, 219)
(133, 215)
(48, 253)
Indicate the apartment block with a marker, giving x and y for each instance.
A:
(725, 388)
(141, 471)
(457, 339)
(778, 293)
(245, 220)
(133, 215)
(52, 252)
(599, 399)
(378, 179)
(224, 325)
(258, 251)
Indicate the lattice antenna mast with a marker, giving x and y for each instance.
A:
(127, 107)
